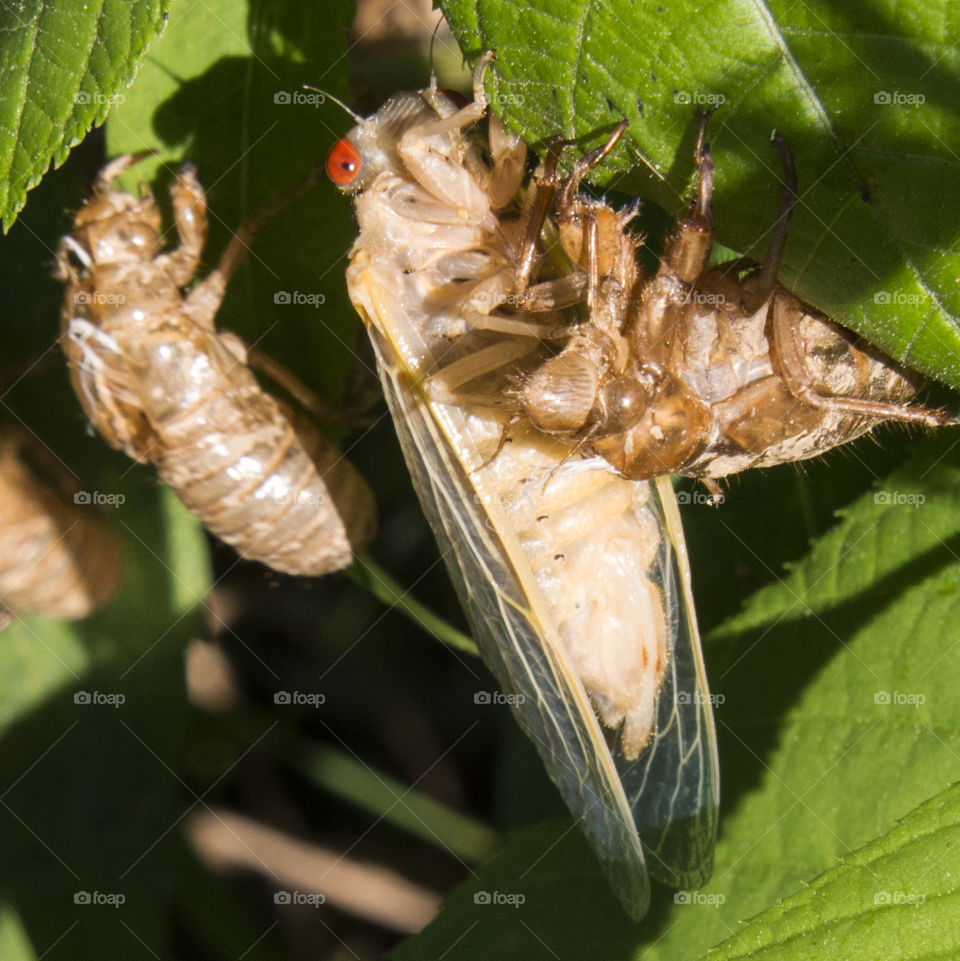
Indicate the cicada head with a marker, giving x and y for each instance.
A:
(371, 147)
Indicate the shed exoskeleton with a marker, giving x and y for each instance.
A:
(57, 556)
(703, 371)
(159, 382)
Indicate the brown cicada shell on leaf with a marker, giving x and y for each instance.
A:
(158, 382)
(702, 371)
(57, 556)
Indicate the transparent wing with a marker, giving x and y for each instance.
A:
(673, 788)
(668, 795)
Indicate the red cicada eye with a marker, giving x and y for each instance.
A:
(343, 163)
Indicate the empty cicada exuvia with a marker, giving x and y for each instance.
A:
(703, 371)
(159, 382)
(57, 557)
(574, 578)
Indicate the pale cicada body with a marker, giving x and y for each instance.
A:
(158, 382)
(705, 371)
(575, 579)
(57, 557)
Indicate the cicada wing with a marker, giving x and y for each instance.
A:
(674, 786)
(512, 631)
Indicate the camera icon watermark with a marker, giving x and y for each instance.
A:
(699, 697)
(699, 498)
(99, 298)
(898, 298)
(899, 698)
(698, 98)
(898, 498)
(284, 298)
(100, 99)
(98, 499)
(897, 98)
(698, 897)
(99, 899)
(498, 698)
(299, 698)
(882, 898)
(507, 898)
(99, 699)
(299, 98)
(310, 898)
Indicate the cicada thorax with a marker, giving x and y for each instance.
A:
(158, 382)
(57, 556)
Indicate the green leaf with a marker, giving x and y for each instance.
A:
(866, 96)
(62, 67)
(901, 890)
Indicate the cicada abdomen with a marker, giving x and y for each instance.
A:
(57, 556)
(571, 575)
(160, 383)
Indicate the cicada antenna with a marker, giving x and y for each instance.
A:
(323, 93)
(433, 40)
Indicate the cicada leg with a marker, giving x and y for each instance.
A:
(687, 253)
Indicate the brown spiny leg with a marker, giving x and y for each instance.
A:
(569, 289)
(665, 303)
(788, 353)
(688, 251)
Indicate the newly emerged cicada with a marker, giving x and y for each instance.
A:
(159, 382)
(57, 557)
(574, 578)
(704, 371)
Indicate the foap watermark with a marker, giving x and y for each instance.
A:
(703, 298)
(299, 698)
(99, 499)
(97, 298)
(508, 898)
(699, 498)
(110, 899)
(497, 697)
(698, 897)
(898, 498)
(508, 99)
(699, 697)
(898, 298)
(898, 897)
(698, 98)
(310, 498)
(101, 99)
(298, 298)
(299, 98)
(899, 698)
(99, 699)
(898, 98)
(310, 898)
